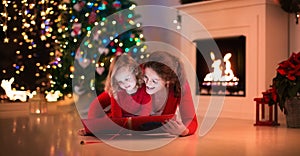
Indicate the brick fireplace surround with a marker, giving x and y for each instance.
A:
(265, 26)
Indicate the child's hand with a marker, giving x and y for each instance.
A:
(175, 127)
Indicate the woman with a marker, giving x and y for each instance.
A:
(166, 83)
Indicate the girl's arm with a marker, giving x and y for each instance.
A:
(146, 102)
(116, 110)
(146, 109)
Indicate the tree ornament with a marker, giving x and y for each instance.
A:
(104, 2)
(100, 70)
(96, 36)
(112, 43)
(92, 17)
(78, 54)
(103, 51)
(119, 51)
(78, 6)
(84, 62)
(76, 29)
(117, 4)
(119, 18)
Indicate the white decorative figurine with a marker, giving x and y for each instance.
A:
(52, 97)
(15, 94)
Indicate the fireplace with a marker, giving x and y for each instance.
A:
(223, 70)
(265, 27)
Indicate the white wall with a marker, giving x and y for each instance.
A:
(294, 45)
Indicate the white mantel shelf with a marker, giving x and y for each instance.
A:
(265, 26)
(217, 5)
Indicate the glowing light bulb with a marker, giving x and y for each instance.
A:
(6, 40)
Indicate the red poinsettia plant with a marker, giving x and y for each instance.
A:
(287, 80)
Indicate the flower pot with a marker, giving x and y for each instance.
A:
(292, 107)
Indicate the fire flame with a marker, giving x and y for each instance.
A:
(218, 74)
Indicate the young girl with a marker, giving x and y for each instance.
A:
(126, 88)
(125, 94)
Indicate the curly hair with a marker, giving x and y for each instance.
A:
(169, 68)
(122, 61)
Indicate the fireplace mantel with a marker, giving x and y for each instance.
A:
(265, 26)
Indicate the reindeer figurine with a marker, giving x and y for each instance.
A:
(15, 94)
(52, 97)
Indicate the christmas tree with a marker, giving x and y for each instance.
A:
(90, 34)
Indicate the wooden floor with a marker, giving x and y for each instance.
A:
(54, 134)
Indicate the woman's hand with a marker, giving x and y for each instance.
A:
(175, 127)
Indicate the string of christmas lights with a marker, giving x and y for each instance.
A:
(27, 26)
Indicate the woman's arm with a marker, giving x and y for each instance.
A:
(187, 123)
(187, 110)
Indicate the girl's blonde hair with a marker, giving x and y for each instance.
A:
(122, 61)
